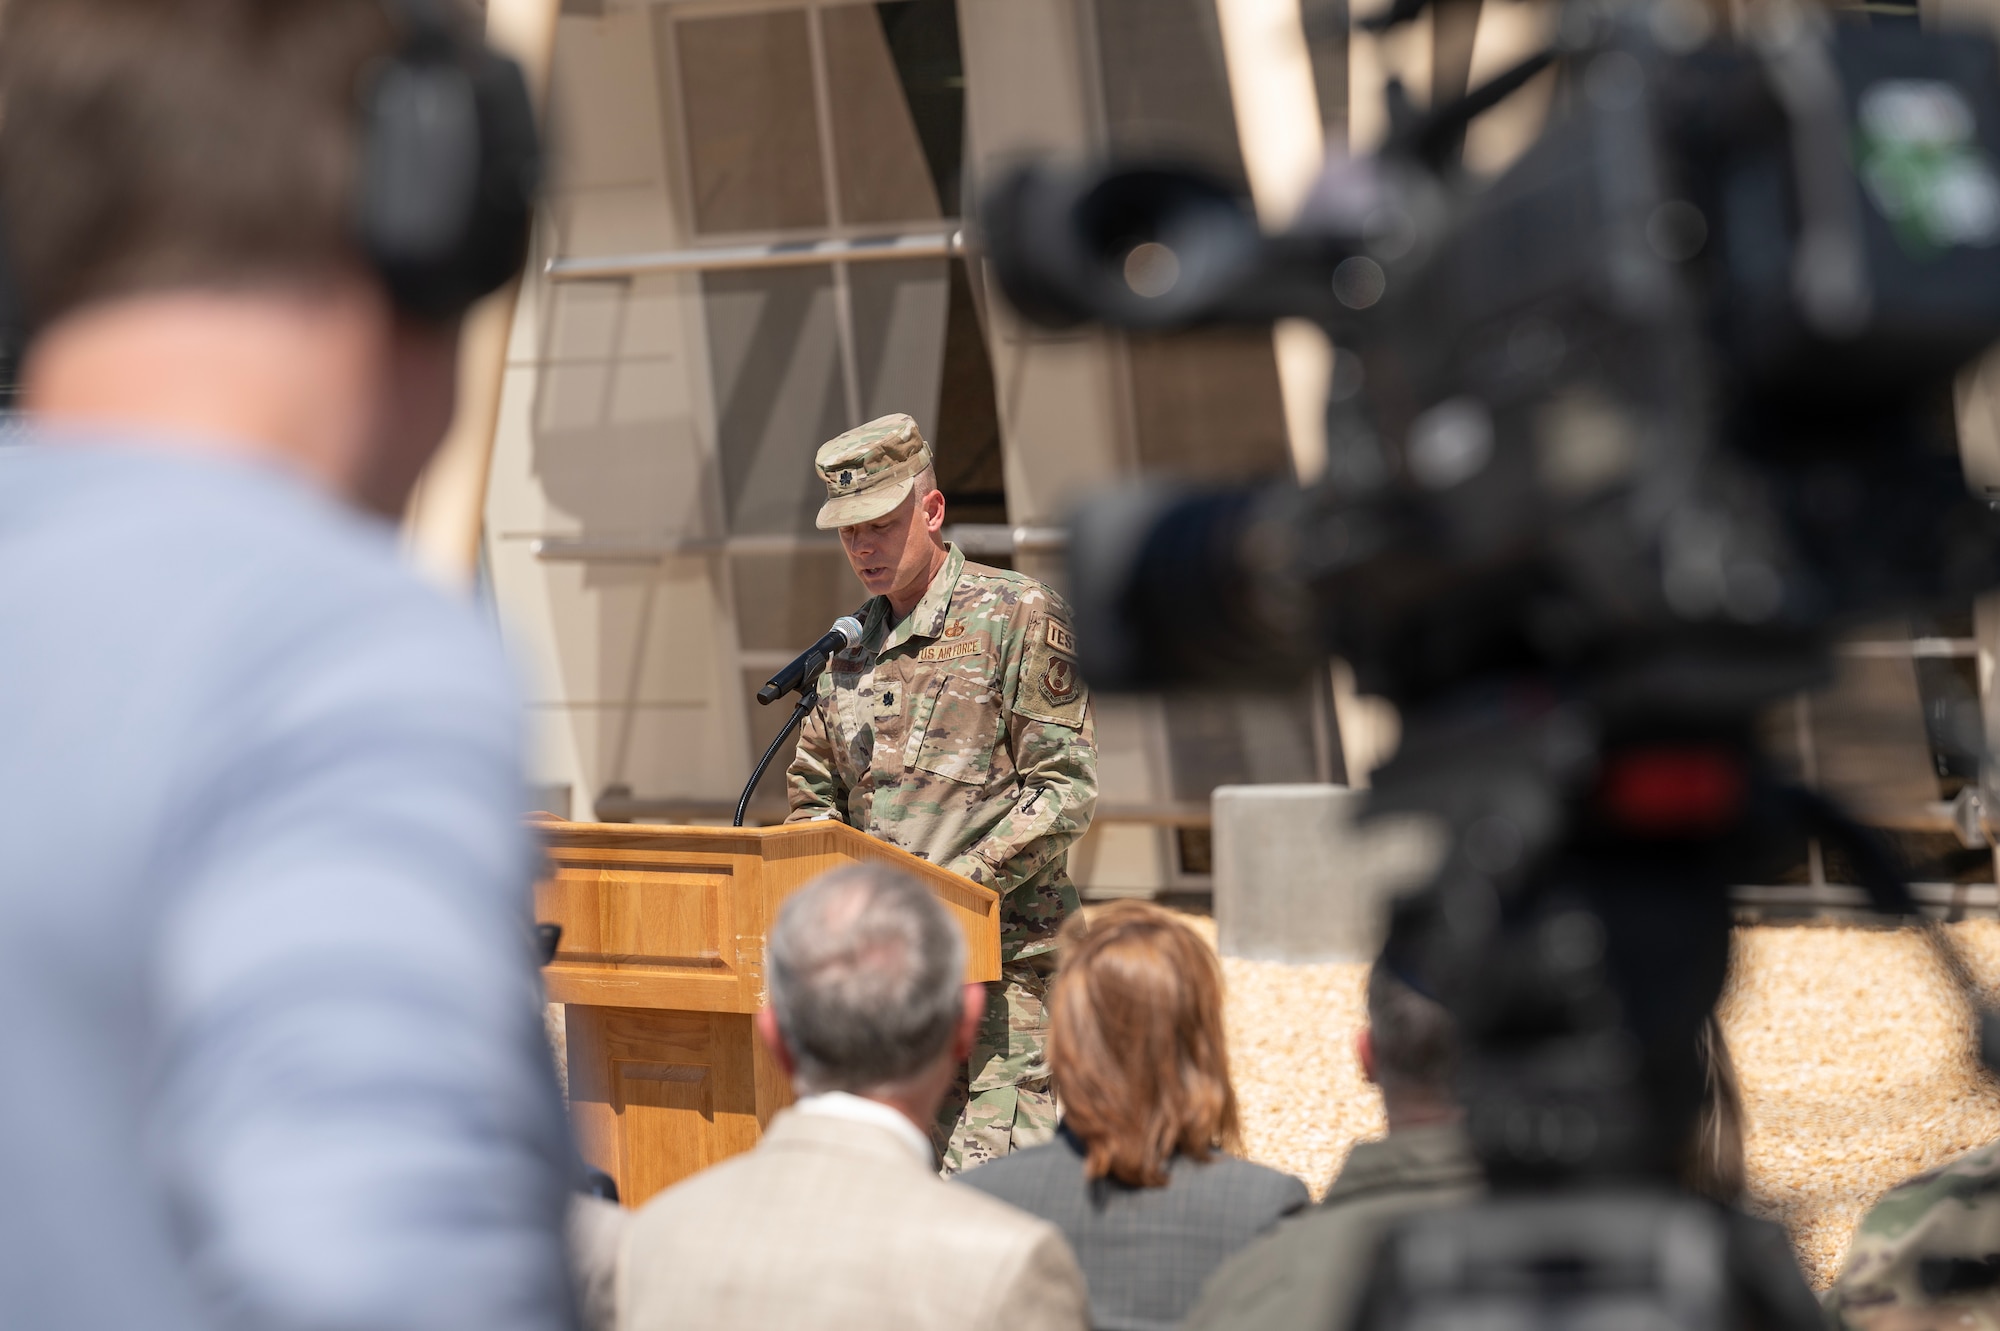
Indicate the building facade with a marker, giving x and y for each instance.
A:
(753, 242)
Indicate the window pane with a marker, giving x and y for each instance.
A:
(899, 325)
(967, 446)
(883, 175)
(784, 602)
(1165, 89)
(923, 39)
(753, 140)
(1206, 404)
(919, 349)
(1220, 739)
(773, 349)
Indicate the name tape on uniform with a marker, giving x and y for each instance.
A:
(1061, 638)
(947, 651)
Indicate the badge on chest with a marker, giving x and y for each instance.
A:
(887, 712)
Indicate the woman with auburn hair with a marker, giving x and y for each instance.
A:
(1139, 1177)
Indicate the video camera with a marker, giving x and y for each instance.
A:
(1617, 442)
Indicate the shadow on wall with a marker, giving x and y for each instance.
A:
(617, 453)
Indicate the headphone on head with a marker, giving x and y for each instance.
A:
(449, 163)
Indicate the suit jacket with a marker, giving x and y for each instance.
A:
(596, 1227)
(1145, 1252)
(1308, 1273)
(832, 1225)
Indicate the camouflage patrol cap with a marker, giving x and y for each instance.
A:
(870, 469)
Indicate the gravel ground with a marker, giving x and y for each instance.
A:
(1857, 1072)
(1849, 1045)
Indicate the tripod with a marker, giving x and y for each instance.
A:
(1578, 933)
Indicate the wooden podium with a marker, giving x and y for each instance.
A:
(661, 965)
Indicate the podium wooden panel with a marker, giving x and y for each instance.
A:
(661, 965)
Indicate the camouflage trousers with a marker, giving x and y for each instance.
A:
(1003, 1100)
(1928, 1255)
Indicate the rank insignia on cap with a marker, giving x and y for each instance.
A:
(1059, 680)
(869, 470)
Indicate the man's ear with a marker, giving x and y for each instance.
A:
(774, 1040)
(933, 507)
(1364, 1049)
(968, 1022)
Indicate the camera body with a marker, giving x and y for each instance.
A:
(1655, 409)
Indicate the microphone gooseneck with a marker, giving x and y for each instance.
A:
(802, 675)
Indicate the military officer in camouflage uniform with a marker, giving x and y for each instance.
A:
(1927, 1257)
(959, 730)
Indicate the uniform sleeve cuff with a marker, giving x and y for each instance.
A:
(978, 870)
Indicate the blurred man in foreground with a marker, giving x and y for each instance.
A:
(272, 1024)
(838, 1221)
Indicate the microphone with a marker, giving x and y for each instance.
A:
(846, 632)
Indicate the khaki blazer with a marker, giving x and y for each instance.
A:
(596, 1228)
(831, 1225)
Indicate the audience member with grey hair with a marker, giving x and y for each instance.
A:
(838, 1219)
(864, 971)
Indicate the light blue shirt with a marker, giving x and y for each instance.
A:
(271, 1049)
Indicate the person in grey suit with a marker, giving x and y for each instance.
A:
(838, 1220)
(1138, 1178)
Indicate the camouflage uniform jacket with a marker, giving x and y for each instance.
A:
(1928, 1254)
(964, 735)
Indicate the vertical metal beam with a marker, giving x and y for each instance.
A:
(1276, 98)
(441, 529)
(1454, 27)
(829, 168)
(1802, 725)
(1272, 91)
(1986, 632)
(1325, 26)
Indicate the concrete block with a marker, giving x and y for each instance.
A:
(1297, 880)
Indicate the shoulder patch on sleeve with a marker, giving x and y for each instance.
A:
(1050, 688)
